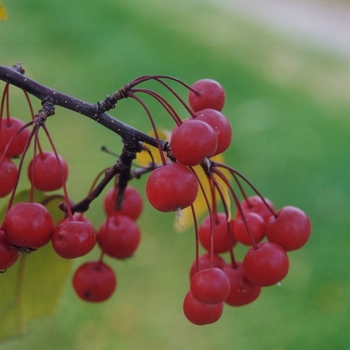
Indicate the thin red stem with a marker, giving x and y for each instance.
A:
(31, 196)
(65, 192)
(229, 228)
(20, 165)
(153, 126)
(211, 216)
(196, 236)
(238, 205)
(11, 140)
(165, 104)
(233, 171)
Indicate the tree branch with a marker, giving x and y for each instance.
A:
(14, 76)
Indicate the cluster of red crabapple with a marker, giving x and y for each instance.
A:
(171, 186)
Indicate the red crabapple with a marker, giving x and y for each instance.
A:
(8, 255)
(8, 176)
(210, 286)
(204, 262)
(132, 203)
(199, 313)
(47, 176)
(291, 228)
(94, 281)
(28, 225)
(78, 217)
(193, 141)
(9, 127)
(256, 226)
(242, 292)
(220, 125)
(72, 239)
(171, 187)
(256, 205)
(210, 94)
(266, 265)
(119, 236)
(222, 231)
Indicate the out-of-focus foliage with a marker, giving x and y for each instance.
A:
(33, 286)
(3, 13)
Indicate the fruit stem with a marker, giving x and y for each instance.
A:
(233, 172)
(238, 205)
(4, 95)
(211, 252)
(228, 215)
(64, 185)
(165, 104)
(36, 131)
(20, 165)
(154, 128)
(194, 216)
(12, 138)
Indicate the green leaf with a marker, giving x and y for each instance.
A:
(33, 286)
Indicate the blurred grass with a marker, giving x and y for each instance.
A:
(289, 110)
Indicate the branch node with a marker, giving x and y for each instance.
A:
(108, 103)
(45, 112)
(18, 68)
(111, 100)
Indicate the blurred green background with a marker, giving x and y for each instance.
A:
(289, 108)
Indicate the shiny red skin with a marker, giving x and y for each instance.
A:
(47, 176)
(119, 237)
(132, 203)
(28, 225)
(256, 205)
(223, 238)
(210, 286)
(8, 176)
(220, 125)
(171, 187)
(291, 229)
(266, 265)
(242, 292)
(211, 95)
(256, 226)
(199, 313)
(8, 255)
(204, 262)
(94, 281)
(72, 239)
(193, 141)
(9, 127)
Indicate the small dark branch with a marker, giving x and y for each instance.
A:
(137, 173)
(125, 162)
(121, 167)
(84, 204)
(45, 112)
(111, 100)
(92, 111)
(108, 103)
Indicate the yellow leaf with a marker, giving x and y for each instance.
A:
(185, 220)
(184, 217)
(3, 13)
(143, 158)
